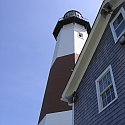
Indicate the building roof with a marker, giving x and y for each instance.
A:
(89, 49)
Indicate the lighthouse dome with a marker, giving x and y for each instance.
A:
(73, 13)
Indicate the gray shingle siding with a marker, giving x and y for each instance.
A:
(86, 108)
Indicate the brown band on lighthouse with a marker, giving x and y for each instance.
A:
(59, 75)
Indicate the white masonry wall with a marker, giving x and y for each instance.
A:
(59, 118)
(68, 40)
(79, 42)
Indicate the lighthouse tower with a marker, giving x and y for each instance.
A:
(71, 33)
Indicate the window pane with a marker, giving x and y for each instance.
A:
(113, 95)
(104, 103)
(111, 88)
(108, 93)
(105, 81)
(109, 78)
(104, 100)
(101, 86)
(118, 21)
(109, 99)
(120, 28)
(103, 96)
(108, 96)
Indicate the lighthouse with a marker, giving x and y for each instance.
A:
(71, 32)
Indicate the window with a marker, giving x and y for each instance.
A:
(80, 35)
(106, 90)
(118, 24)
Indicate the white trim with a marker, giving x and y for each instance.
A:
(101, 108)
(121, 11)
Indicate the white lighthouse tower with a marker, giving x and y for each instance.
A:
(71, 33)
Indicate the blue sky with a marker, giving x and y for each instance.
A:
(26, 50)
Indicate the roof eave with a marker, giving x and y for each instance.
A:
(87, 52)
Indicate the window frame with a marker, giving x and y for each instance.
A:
(121, 11)
(99, 97)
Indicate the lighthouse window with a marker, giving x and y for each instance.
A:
(80, 35)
